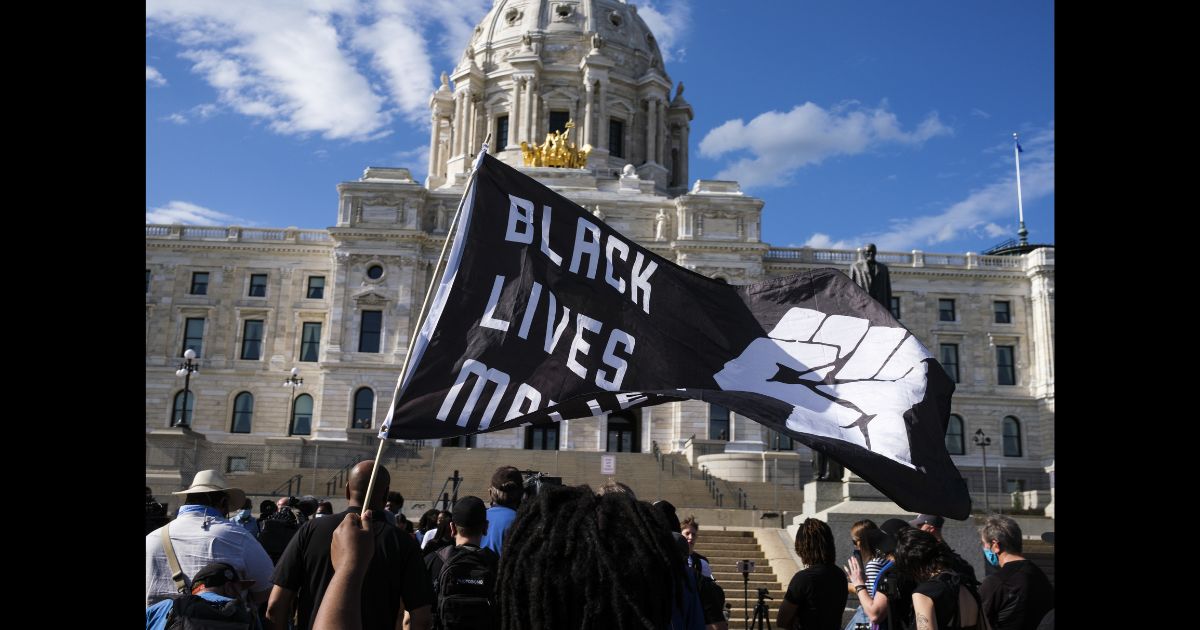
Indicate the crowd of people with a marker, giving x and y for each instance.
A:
(557, 557)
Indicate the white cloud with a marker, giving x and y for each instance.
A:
(822, 241)
(781, 143)
(341, 68)
(979, 210)
(669, 24)
(281, 61)
(979, 113)
(203, 111)
(192, 214)
(994, 230)
(154, 77)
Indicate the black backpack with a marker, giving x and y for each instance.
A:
(192, 612)
(466, 588)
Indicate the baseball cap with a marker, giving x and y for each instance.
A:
(921, 519)
(217, 573)
(469, 512)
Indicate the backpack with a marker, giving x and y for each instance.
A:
(466, 588)
(275, 535)
(712, 596)
(192, 612)
(954, 581)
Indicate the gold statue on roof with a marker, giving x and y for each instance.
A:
(557, 151)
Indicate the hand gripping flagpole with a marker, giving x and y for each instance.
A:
(425, 308)
(1023, 233)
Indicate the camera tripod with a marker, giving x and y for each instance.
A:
(762, 613)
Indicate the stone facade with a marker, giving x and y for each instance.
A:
(530, 60)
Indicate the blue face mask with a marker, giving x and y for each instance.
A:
(991, 556)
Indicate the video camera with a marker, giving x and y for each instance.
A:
(762, 594)
(534, 480)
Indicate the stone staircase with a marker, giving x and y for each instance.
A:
(723, 550)
(421, 478)
(1041, 554)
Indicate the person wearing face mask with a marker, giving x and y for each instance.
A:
(1018, 595)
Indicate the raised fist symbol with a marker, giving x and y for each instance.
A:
(848, 379)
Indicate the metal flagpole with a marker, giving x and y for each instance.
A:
(1022, 232)
(425, 305)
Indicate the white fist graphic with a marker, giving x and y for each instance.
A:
(849, 380)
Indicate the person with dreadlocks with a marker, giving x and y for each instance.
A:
(816, 596)
(577, 560)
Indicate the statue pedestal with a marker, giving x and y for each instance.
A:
(840, 504)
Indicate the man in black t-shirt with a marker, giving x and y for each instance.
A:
(819, 592)
(395, 580)
(1018, 595)
(816, 596)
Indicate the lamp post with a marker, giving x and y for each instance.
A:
(292, 381)
(983, 441)
(185, 370)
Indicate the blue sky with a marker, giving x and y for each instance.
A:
(854, 120)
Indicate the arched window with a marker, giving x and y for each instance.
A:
(302, 415)
(954, 435)
(364, 408)
(177, 410)
(1012, 437)
(718, 422)
(243, 412)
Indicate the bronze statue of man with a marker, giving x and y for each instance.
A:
(872, 277)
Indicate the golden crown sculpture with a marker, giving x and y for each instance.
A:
(557, 151)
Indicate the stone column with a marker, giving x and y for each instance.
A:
(527, 129)
(602, 119)
(683, 155)
(457, 125)
(473, 139)
(662, 133)
(514, 114)
(588, 125)
(435, 123)
(651, 129)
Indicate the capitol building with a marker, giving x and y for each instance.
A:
(336, 307)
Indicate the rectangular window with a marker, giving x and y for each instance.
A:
(369, 332)
(558, 122)
(1006, 366)
(147, 281)
(310, 341)
(258, 285)
(193, 335)
(252, 334)
(1014, 485)
(237, 464)
(199, 283)
(316, 287)
(501, 131)
(616, 138)
(946, 310)
(950, 360)
(1003, 316)
(896, 307)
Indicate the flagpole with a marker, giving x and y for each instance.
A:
(1023, 233)
(425, 307)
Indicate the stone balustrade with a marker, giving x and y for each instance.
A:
(916, 258)
(237, 234)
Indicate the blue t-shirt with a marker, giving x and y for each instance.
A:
(156, 615)
(499, 519)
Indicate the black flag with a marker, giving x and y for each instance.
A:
(545, 313)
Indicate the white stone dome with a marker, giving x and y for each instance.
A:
(533, 65)
(566, 30)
